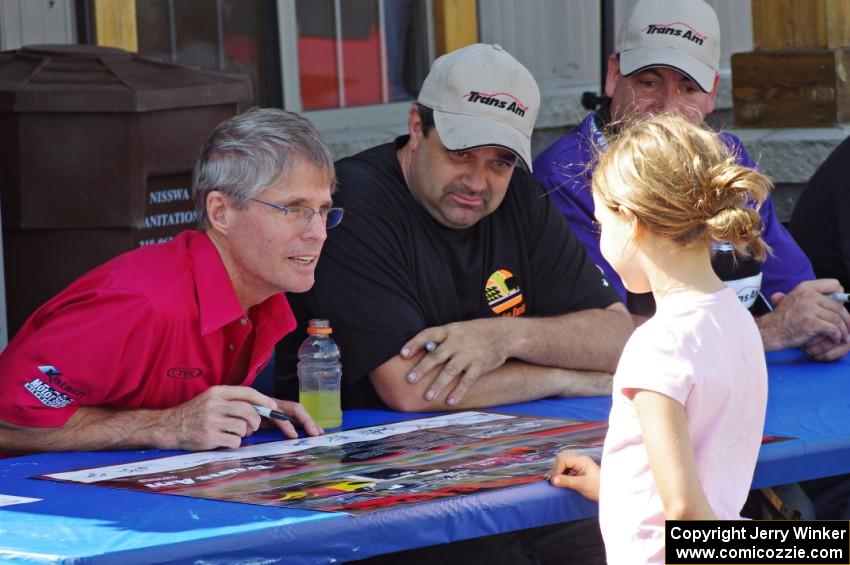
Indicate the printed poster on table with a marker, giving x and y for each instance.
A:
(366, 469)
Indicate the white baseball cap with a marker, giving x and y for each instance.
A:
(481, 97)
(681, 34)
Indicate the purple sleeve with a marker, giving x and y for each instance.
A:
(787, 265)
(563, 170)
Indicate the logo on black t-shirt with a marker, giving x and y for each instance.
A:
(503, 294)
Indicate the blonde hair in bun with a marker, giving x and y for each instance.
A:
(682, 182)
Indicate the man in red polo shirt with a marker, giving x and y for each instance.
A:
(158, 347)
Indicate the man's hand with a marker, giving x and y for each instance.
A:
(577, 472)
(804, 317)
(470, 349)
(527, 357)
(298, 414)
(219, 417)
(821, 348)
(222, 415)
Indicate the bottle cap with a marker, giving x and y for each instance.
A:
(319, 327)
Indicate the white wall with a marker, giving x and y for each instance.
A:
(33, 22)
(558, 40)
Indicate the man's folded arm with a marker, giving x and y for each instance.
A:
(515, 381)
(494, 361)
(590, 339)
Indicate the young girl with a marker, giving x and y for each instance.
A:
(691, 386)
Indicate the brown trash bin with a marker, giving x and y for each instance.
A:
(97, 147)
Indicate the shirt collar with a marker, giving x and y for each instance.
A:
(594, 131)
(275, 319)
(217, 302)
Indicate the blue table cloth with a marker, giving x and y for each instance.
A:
(78, 523)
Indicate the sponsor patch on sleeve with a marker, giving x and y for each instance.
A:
(46, 394)
(52, 390)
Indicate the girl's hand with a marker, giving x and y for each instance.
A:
(577, 472)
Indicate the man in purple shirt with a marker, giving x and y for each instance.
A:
(662, 66)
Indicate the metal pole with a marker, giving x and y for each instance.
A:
(4, 329)
(429, 25)
(290, 69)
(607, 35)
(172, 31)
(592, 100)
(340, 64)
(382, 34)
(219, 34)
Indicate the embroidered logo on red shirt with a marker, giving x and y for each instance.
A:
(45, 393)
(183, 373)
(54, 378)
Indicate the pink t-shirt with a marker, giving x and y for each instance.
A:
(705, 352)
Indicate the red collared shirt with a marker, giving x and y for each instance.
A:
(152, 328)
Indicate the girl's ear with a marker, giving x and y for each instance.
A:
(633, 222)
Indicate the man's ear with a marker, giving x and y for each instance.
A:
(712, 96)
(414, 126)
(219, 211)
(612, 75)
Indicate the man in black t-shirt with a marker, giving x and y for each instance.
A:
(453, 281)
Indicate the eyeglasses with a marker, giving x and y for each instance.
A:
(331, 216)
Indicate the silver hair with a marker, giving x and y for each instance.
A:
(248, 152)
